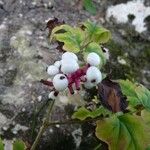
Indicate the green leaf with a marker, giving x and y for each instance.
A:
(83, 113)
(89, 6)
(124, 132)
(146, 116)
(75, 38)
(59, 28)
(19, 145)
(100, 111)
(136, 94)
(1, 145)
(148, 148)
(96, 33)
(143, 95)
(72, 38)
(94, 47)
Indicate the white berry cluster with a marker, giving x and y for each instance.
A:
(66, 73)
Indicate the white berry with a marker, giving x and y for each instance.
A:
(60, 82)
(93, 75)
(93, 59)
(69, 66)
(52, 95)
(52, 70)
(57, 64)
(69, 55)
(89, 85)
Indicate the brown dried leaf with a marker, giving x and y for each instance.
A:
(111, 96)
(51, 24)
(60, 46)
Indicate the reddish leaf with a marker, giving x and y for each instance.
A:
(111, 96)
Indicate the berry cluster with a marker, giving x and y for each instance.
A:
(66, 73)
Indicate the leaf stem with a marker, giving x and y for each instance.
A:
(44, 125)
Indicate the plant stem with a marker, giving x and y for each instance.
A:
(73, 121)
(47, 123)
(42, 129)
(98, 147)
(44, 125)
(36, 114)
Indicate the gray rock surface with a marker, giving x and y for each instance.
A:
(25, 52)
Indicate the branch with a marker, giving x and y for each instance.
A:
(73, 121)
(44, 125)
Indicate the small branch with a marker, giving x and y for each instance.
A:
(36, 115)
(73, 121)
(42, 129)
(44, 125)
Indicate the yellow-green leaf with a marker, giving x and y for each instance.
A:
(83, 113)
(19, 145)
(72, 39)
(128, 88)
(100, 111)
(64, 27)
(125, 132)
(146, 116)
(1, 145)
(96, 33)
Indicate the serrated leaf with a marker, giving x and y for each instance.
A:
(146, 116)
(72, 39)
(59, 28)
(128, 88)
(143, 95)
(124, 132)
(64, 27)
(83, 113)
(96, 33)
(1, 145)
(94, 47)
(19, 145)
(89, 6)
(136, 94)
(100, 111)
